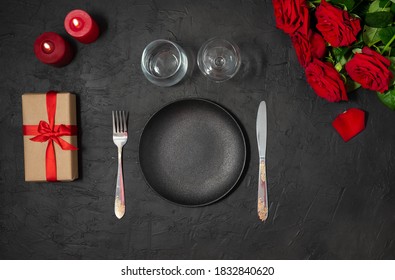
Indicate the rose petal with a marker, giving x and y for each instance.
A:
(349, 123)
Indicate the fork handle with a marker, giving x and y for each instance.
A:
(119, 207)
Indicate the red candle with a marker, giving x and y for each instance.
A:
(50, 48)
(81, 26)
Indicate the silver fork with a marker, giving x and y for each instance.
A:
(120, 137)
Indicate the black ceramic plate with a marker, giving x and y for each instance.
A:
(192, 152)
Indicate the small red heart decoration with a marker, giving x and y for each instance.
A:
(349, 123)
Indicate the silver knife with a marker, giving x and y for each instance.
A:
(261, 133)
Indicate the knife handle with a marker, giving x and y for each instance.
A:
(262, 191)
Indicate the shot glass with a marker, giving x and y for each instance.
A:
(164, 63)
(219, 59)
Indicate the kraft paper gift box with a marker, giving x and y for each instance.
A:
(50, 136)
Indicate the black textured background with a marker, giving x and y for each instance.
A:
(328, 199)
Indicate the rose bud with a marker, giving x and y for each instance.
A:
(308, 47)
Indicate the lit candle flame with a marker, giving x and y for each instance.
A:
(47, 47)
(76, 22)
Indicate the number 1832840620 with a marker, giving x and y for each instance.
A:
(235, 270)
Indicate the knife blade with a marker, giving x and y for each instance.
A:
(261, 132)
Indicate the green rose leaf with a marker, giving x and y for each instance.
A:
(392, 66)
(339, 53)
(352, 85)
(384, 3)
(379, 19)
(375, 7)
(349, 4)
(386, 34)
(361, 8)
(388, 98)
(371, 35)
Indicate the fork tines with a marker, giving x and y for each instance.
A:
(119, 121)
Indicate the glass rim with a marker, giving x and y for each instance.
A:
(179, 56)
(204, 46)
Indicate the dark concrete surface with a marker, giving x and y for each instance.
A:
(328, 199)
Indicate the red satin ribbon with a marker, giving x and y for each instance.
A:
(48, 131)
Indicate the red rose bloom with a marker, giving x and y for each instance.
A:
(326, 81)
(308, 47)
(370, 69)
(337, 26)
(291, 15)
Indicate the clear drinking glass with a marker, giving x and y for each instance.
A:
(219, 59)
(164, 63)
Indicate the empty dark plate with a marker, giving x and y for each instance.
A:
(192, 152)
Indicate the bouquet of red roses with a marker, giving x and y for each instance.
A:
(343, 44)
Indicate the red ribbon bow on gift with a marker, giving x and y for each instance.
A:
(48, 131)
